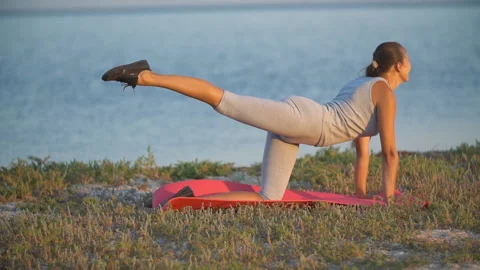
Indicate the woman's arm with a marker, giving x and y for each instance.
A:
(362, 147)
(384, 100)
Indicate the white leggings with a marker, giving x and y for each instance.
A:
(289, 122)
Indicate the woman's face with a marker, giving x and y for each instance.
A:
(404, 68)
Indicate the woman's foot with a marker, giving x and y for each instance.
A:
(127, 74)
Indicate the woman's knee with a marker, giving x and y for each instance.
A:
(270, 196)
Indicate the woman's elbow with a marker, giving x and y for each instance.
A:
(390, 155)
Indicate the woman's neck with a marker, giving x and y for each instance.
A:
(393, 80)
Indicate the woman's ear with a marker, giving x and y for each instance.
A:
(398, 66)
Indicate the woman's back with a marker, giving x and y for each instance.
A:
(351, 113)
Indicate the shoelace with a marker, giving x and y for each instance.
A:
(126, 81)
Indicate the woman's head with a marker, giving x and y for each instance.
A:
(389, 57)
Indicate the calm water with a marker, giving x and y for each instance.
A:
(52, 101)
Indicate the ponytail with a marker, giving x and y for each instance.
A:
(370, 71)
(385, 56)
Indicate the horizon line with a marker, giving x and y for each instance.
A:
(236, 6)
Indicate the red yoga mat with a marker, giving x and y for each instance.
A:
(206, 186)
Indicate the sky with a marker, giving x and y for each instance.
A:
(94, 4)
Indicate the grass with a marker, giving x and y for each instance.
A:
(57, 229)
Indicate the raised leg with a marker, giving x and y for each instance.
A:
(296, 117)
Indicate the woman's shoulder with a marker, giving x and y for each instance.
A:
(380, 90)
(361, 82)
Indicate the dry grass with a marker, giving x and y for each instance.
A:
(57, 228)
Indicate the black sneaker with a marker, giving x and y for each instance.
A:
(127, 74)
(184, 192)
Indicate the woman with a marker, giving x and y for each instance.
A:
(364, 107)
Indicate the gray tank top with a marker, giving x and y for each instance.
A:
(350, 114)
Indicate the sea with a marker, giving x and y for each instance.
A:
(54, 105)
